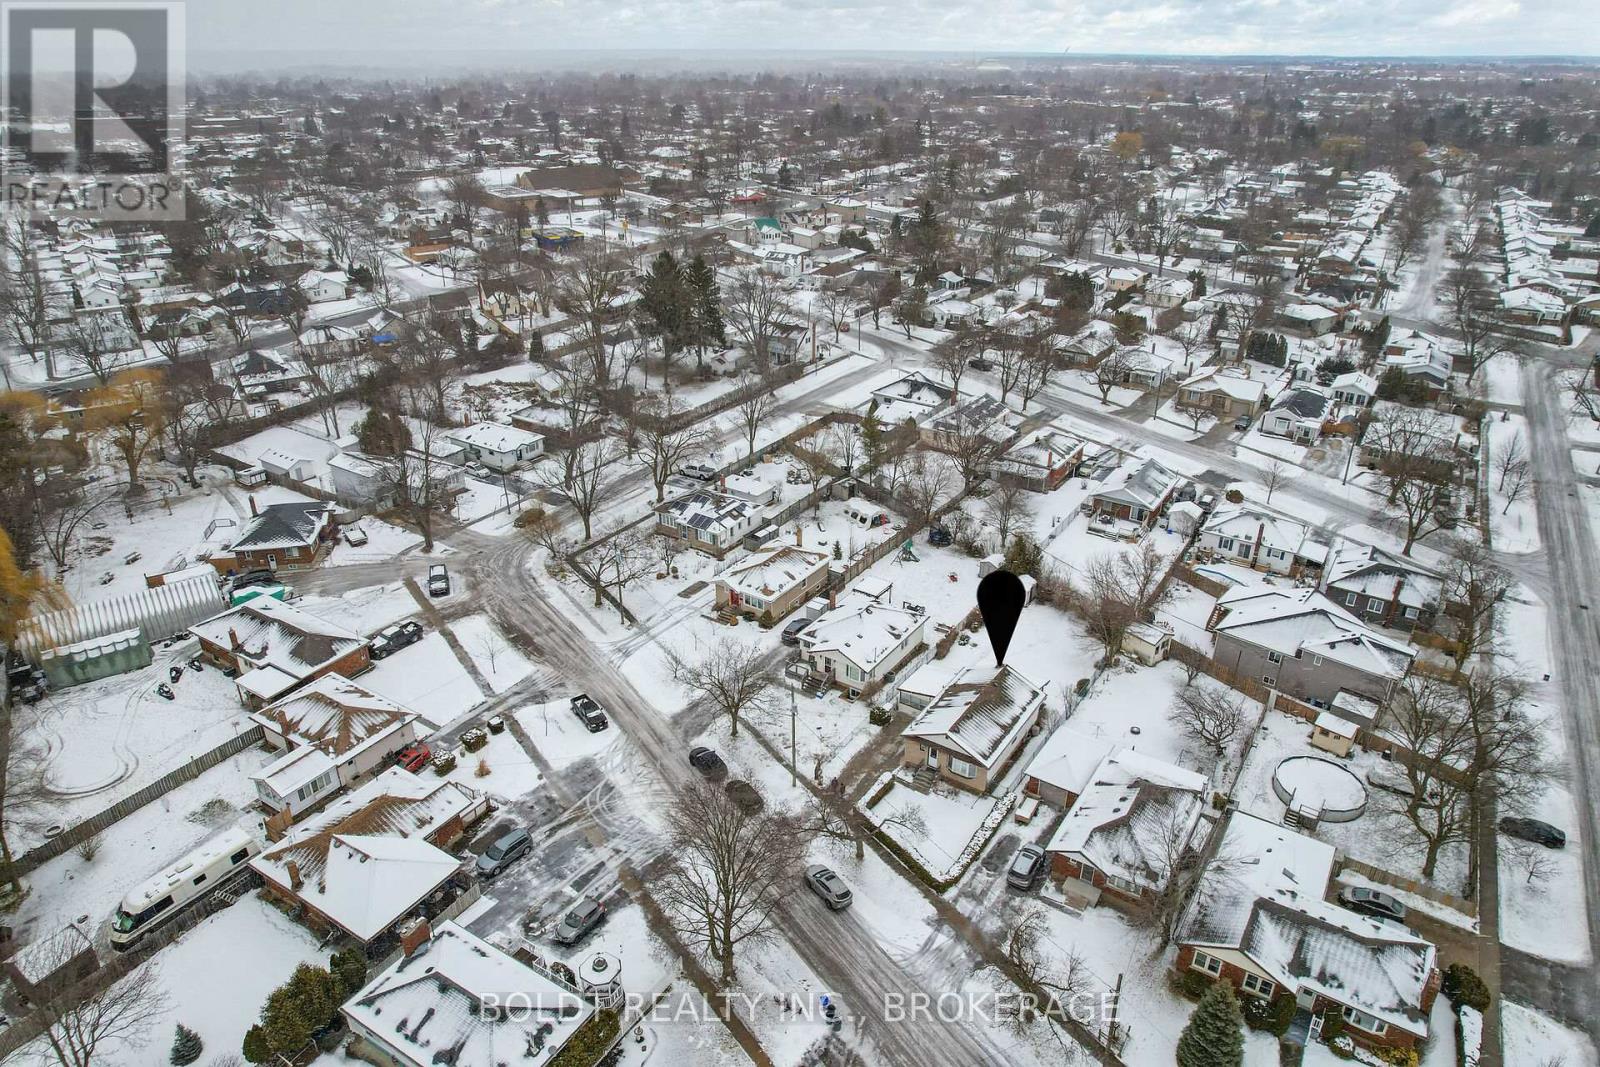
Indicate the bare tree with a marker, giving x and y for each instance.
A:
(617, 561)
(1008, 507)
(730, 870)
(415, 483)
(1170, 861)
(757, 408)
(1466, 296)
(82, 1023)
(1416, 465)
(1533, 861)
(1274, 475)
(1511, 458)
(1110, 372)
(590, 288)
(1118, 589)
(661, 449)
(90, 341)
(732, 676)
(1519, 486)
(927, 485)
(1473, 587)
(836, 306)
(1211, 715)
(129, 415)
(758, 310)
(581, 478)
(949, 358)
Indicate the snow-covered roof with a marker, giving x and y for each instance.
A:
(705, 510)
(1144, 486)
(772, 572)
(334, 714)
(495, 437)
(291, 525)
(1295, 621)
(1266, 902)
(861, 631)
(1217, 380)
(452, 995)
(1245, 522)
(157, 612)
(294, 769)
(1068, 760)
(1124, 820)
(981, 713)
(1369, 571)
(269, 634)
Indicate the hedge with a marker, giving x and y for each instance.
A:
(592, 1040)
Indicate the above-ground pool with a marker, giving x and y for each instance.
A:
(1319, 784)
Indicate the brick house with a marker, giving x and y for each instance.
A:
(1135, 494)
(1263, 926)
(275, 648)
(1125, 829)
(772, 583)
(1042, 460)
(1381, 588)
(284, 537)
(1222, 393)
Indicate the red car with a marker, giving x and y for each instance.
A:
(413, 758)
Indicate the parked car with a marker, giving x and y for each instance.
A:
(829, 886)
(413, 757)
(392, 639)
(354, 536)
(1540, 833)
(792, 632)
(478, 470)
(938, 536)
(584, 916)
(1026, 866)
(592, 717)
(979, 363)
(1242, 422)
(1372, 902)
(259, 576)
(707, 762)
(703, 472)
(438, 580)
(506, 850)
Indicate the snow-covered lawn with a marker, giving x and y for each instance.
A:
(500, 663)
(1129, 705)
(384, 541)
(1082, 382)
(511, 771)
(217, 976)
(942, 823)
(1514, 522)
(107, 739)
(559, 736)
(426, 678)
(1531, 1038)
(1169, 421)
(366, 610)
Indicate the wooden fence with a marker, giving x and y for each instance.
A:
(1469, 908)
(83, 831)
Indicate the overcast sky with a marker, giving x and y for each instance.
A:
(372, 28)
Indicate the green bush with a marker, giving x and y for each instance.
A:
(594, 1037)
(1463, 986)
(1269, 1016)
(1191, 984)
(1332, 1026)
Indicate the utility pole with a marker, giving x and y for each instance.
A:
(794, 758)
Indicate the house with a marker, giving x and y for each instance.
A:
(973, 729)
(1042, 460)
(453, 993)
(772, 583)
(1262, 926)
(275, 647)
(1310, 320)
(497, 446)
(707, 521)
(289, 537)
(323, 285)
(978, 416)
(1122, 279)
(1168, 292)
(1297, 414)
(860, 642)
(1418, 357)
(1134, 494)
(1299, 642)
(1131, 824)
(1381, 588)
(1355, 389)
(1262, 539)
(1064, 766)
(1530, 306)
(913, 397)
(1221, 392)
(1089, 345)
(366, 861)
(334, 733)
(370, 481)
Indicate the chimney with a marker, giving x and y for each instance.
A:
(233, 639)
(295, 881)
(414, 936)
(799, 537)
(252, 503)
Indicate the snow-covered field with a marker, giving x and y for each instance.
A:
(426, 678)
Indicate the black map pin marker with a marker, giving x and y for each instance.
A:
(1000, 599)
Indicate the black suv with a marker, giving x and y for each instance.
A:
(394, 638)
(593, 719)
(707, 762)
(1540, 833)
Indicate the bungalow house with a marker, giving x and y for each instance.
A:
(1168, 292)
(707, 521)
(457, 994)
(1297, 414)
(1261, 539)
(772, 583)
(982, 415)
(914, 397)
(259, 374)
(1134, 494)
(497, 446)
(334, 733)
(363, 480)
(1416, 356)
(1529, 306)
(371, 858)
(323, 285)
(1042, 460)
(1221, 392)
(973, 729)
(1064, 767)
(860, 642)
(1132, 822)
(1299, 642)
(1263, 927)
(1381, 588)
(1310, 320)
(284, 537)
(1090, 345)
(274, 647)
(1122, 279)
(1355, 389)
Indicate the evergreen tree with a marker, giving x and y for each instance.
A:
(256, 1049)
(1377, 337)
(664, 298)
(541, 211)
(706, 305)
(1215, 1034)
(349, 968)
(186, 1047)
(536, 347)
